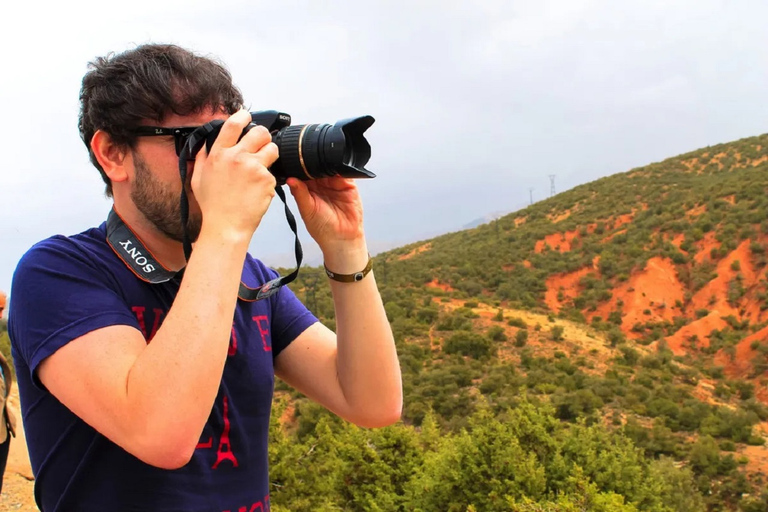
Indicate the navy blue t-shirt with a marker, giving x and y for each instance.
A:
(65, 287)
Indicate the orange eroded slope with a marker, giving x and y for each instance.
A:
(567, 284)
(740, 367)
(683, 339)
(648, 296)
(714, 295)
(557, 241)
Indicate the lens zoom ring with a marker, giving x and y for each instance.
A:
(288, 145)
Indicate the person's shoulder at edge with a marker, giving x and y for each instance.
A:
(81, 243)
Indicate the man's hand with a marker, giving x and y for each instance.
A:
(232, 184)
(333, 214)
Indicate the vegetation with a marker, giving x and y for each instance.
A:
(509, 408)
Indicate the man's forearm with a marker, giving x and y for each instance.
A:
(367, 364)
(175, 380)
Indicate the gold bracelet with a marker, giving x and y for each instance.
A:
(350, 278)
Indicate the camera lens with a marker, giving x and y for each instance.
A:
(312, 151)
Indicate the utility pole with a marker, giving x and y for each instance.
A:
(552, 185)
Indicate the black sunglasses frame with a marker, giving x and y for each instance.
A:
(180, 134)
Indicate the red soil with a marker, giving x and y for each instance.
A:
(704, 246)
(740, 367)
(559, 218)
(714, 295)
(677, 241)
(557, 241)
(568, 284)
(416, 251)
(622, 220)
(610, 237)
(436, 284)
(653, 290)
(680, 342)
(697, 210)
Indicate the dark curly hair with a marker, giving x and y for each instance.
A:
(149, 83)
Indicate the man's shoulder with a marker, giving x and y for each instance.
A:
(64, 253)
(87, 241)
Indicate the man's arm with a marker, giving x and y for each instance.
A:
(154, 399)
(355, 373)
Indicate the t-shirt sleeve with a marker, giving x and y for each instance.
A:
(59, 294)
(289, 318)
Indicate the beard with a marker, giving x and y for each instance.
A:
(160, 204)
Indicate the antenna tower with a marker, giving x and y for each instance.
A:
(530, 191)
(552, 185)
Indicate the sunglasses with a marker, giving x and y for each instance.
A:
(180, 135)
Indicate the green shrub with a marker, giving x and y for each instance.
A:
(469, 344)
(521, 338)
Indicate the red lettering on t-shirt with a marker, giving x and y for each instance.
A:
(139, 312)
(158, 316)
(225, 449)
(264, 331)
(232, 343)
(207, 444)
(264, 507)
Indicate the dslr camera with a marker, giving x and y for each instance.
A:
(311, 151)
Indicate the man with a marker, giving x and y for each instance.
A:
(7, 419)
(141, 396)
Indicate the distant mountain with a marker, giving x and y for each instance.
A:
(485, 219)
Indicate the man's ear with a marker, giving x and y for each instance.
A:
(110, 156)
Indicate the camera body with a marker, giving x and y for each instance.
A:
(312, 151)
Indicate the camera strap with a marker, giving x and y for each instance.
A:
(132, 251)
(207, 133)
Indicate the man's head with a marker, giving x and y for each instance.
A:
(146, 85)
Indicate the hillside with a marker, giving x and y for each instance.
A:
(674, 251)
(633, 304)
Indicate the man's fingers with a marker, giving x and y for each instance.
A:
(232, 129)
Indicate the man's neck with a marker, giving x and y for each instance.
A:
(169, 253)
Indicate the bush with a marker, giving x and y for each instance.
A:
(469, 344)
(496, 333)
(517, 322)
(557, 332)
(521, 338)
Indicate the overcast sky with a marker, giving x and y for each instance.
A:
(475, 102)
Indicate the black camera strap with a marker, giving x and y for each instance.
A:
(198, 138)
(132, 251)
